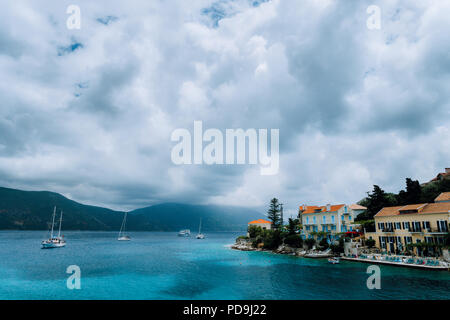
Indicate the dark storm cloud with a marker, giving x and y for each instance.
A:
(354, 106)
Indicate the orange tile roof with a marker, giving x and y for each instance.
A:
(312, 209)
(444, 196)
(259, 221)
(356, 206)
(441, 207)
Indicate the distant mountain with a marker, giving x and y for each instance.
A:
(176, 216)
(32, 210)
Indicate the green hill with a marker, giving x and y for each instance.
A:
(32, 210)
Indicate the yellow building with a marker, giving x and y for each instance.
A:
(396, 227)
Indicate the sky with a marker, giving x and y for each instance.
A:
(89, 112)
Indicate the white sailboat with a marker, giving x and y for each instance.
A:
(200, 235)
(122, 235)
(54, 242)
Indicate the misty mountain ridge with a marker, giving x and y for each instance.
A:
(32, 210)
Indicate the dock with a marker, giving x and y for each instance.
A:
(399, 264)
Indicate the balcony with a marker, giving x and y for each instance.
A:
(436, 231)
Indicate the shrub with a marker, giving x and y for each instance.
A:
(324, 243)
(294, 241)
(254, 231)
(338, 248)
(272, 239)
(370, 243)
(310, 242)
(257, 241)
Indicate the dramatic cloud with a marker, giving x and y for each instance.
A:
(90, 112)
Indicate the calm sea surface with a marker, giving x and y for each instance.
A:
(160, 265)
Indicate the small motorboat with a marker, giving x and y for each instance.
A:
(184, 233)
(319, 255)
(333, 260)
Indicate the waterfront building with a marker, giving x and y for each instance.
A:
(261, 223)
(329, 219)
(397, 227)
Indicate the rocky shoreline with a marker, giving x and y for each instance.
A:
(246, 245)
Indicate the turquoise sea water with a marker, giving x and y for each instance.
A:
(160, 265)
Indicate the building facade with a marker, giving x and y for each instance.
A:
(397, 227)
(329, 219)
(264, 224)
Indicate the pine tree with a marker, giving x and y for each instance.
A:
(273, 214)
(376, 201)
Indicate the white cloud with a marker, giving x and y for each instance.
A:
(354, 107)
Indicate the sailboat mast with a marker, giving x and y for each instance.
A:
(60, 221)
(200, 226)
(53, 221)
(123, 224)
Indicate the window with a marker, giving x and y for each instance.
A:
(416, 226)
(314, 220)
(408, 240)
(398, 225)
(429, 239)
(442, 226)
(307, 220)
(324, 219)
(342, 218)
(332, 219)
(307, 228)
(349, 217)
(345, 209)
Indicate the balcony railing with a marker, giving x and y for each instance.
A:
(421, 230)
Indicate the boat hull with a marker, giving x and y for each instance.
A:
(124, 238)
(46, 245)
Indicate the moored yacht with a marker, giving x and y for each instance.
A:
(200, 235)
(122, 235)
(54, 242)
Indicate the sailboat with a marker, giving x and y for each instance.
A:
(200, 235)
(122, 235)
(55, 242)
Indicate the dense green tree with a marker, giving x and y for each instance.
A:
(293, 226)
(254, 231)
(412, 194)
(294, 241)
(375, 201)
(272, 239)
(431, 190)
(324, 243)
(310, 242)
(273, 214)
(339, 247)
